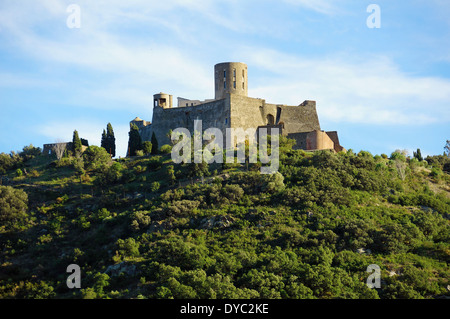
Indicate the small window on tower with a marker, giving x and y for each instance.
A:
(224, 85)
(226, 120)
(224, 73)
(234, 84)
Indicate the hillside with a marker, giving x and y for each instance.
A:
(144, 227)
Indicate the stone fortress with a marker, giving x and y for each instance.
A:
(232, 108)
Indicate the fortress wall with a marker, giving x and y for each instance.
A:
(212, 114)
(319, 141)
(315, 140)
(299, 119)
(269, 110)
(300, 139)
(334, 137)
(246, 112)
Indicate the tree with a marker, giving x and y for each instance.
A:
(155, 186)
(6, 163)
(134, 141)
(154, 144)
(147, 147)
(96, 157)
(109, 140)
(104, 142)
(171, 174)
(417, 155)
(76, 143)
(59, 149)
(13, 204)
(30, 152)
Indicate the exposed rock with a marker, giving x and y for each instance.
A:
(216, 222)
(123, 267)
(363, 251)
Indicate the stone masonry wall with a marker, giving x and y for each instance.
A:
(213, 114)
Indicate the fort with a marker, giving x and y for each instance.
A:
(233, 108)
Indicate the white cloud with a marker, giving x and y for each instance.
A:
(351, 89)
(347, 88)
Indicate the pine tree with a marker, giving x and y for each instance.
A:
(111, 140)
(76, 143)
(134, 141)
(154, 144)
(104, 142)
(418, 155)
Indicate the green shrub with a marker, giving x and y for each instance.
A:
(13, 205)
(154, 163)
(166, 149)
(95, 158)
(147, 147)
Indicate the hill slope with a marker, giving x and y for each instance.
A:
(146, 228)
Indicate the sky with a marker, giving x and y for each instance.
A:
(78, 65)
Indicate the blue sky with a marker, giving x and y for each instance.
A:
(382, 89)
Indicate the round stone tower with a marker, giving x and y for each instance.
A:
(230, 77)
(163, 100)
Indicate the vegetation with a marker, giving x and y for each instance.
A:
(154, 144)
(134, 141)
(144, 227)
(76, 143)
(108, 141)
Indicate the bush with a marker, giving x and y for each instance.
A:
(13, 204)
(154, 163)
(232, 192)
(30, 152)
(155, 186)
(95, 158)
(19, 172)
(147, 147)
(166, 149)
(139, 153)
(127, 248)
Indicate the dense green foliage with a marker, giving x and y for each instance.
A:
(148, 228)
(76, 143)
(108, 141)
(134, 140)
(154, 142)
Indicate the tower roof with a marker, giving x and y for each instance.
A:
(137, 119)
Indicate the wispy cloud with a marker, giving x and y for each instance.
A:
(371, 90)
